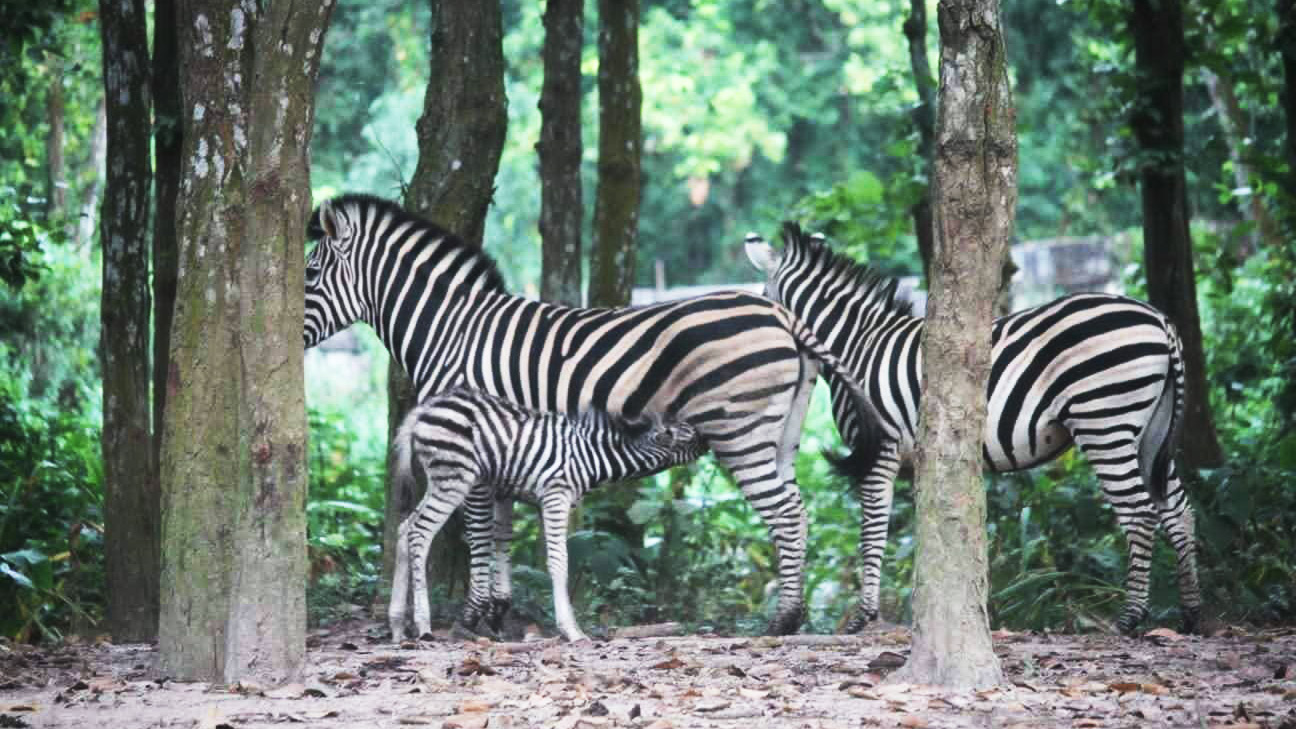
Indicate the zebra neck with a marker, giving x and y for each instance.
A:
(842, 322)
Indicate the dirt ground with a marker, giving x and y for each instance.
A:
(1236, 678)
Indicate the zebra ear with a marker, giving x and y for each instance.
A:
(327, 223)
(761, 254)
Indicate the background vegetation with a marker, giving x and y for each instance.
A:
(753, 112)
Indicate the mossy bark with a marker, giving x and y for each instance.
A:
(616, 202)
(234, 466)
(560, 151)
(1159, 52)
(975, 194)
(461, 139)
(131, 501)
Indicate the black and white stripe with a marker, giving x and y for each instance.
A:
(736, 367)
(476, 449)
(1099, 371)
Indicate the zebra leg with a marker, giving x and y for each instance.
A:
(555, 511)
(876, 492)
(502, 588)
(1114, 456)
(443, 496)
(1178, 522)
(400, 581)
(479, 515)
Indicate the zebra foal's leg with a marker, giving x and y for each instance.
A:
(479, 518)
(555, 510)
(1178, 521)
(444, 494)
(400, 580)
(502, 586)
(876, 493)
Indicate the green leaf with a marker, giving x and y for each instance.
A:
(644, 511)
(17, 576)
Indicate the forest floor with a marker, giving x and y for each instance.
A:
(1235, 678)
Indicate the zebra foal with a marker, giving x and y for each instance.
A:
(477, 449)
(1101, 372)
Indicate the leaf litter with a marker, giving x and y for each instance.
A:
(1235, 679)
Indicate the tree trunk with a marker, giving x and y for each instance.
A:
(461, 138)
(1157, 27)
(1287, 210)
(88, 217)
(975, 197)
(1233, 124)
(56, 180)
(560, 153)
(616, 202)
(924, 119)
(166, 185)
(131, 501)
(234, 450)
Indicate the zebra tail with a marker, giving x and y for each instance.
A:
(866, 447)
(1157, 449)
(402, 461)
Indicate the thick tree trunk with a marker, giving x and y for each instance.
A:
(234, 450)
(975, 196)
(461, 138)
(616, 202)
(1157, 27)
(560, 153)
(924, 119)
(166, 185)
(131, 501)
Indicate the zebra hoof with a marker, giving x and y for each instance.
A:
(859, 621)
(1129, 621)
(495, 614)
(786, 623)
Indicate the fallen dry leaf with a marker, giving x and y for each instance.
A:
(912, 720)
(474, 720)
(287, 691)
(473, 706)
(709, 705)
(747, 693)
(661, 724)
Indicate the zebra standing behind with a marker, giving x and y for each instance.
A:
(477, 448)
(736, 367)
(1099, 371)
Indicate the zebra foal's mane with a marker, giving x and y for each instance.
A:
(833, 270)
(430, 232)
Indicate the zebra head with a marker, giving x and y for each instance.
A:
(333, 300)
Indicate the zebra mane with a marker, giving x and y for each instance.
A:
(494, 280)
(833, 270)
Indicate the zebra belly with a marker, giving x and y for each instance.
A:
(1051, 440)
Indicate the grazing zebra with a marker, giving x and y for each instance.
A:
(1103, 372)
(479, 448)
(736, 367)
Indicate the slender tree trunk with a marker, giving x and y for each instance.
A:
(234, 450)
(924, 119)
(56, 181)
(975, 198)
(560, 153)
(1287, 205)
(166, 185)
(616, 202)
(461, 138)
(131, 502)
(1157, 27)
(87, 219)
(1233, 123)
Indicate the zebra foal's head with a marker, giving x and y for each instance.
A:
(662, 441)
(333, 299)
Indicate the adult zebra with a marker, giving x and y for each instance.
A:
(736, 367)
(1101, 371)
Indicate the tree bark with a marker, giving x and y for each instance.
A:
(166, 186)
(616, 202)
(975, 196)
(1157, 28)
(924, 119)
(234, 450)
(461, 139)
(1233, 123)
(131, 500)
(56, 179)
(560, 153)
(1287, 52)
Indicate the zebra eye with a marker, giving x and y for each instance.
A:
(312, 275)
